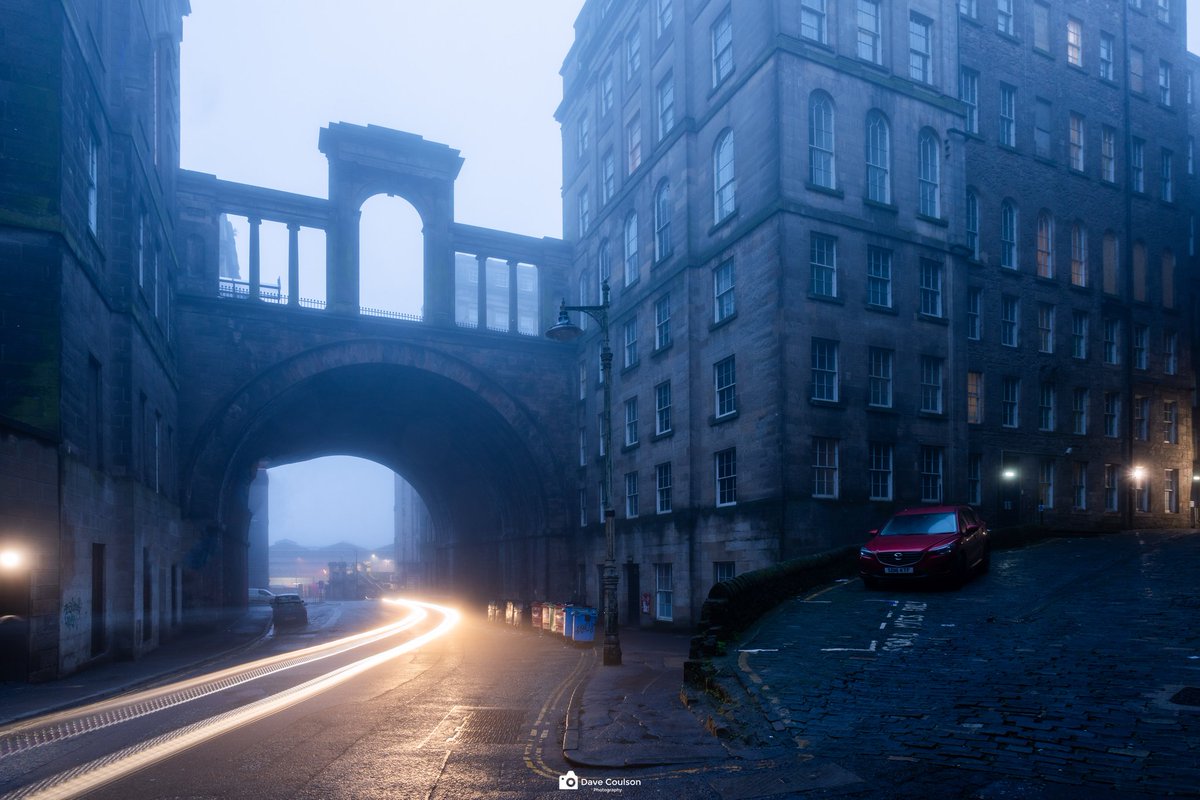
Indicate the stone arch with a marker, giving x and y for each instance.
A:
(475, 453)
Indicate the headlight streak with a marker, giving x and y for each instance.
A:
(41, 731)
(98, 772)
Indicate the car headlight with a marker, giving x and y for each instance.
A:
(943, 549)
(865, 553)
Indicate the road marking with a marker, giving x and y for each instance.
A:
(92, 775)
(870, 649)
(45, 730)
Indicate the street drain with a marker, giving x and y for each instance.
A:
(491, 726)
(1187, 696)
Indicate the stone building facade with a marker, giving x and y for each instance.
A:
(91, 147)
(868, 256)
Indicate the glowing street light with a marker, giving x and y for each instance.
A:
(11, 558)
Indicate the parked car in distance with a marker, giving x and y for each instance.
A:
(288, 610)
(261, 597)
(919, 544)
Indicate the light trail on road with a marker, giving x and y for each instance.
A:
(50, 729)
(98, 772)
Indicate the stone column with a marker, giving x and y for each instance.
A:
(482, 260)
(293, 264)
(512, 297)
(255, 269)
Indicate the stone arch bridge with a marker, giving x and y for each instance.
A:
(469, 403)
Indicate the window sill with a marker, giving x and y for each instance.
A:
(891, 208)
(658, 351)
(939, 221)
(723, 222)
(832, 404)
(658, 437)
(936, 320)
(829, 190)
(827, 298)
(721, 84)
(714, 420)
(723, 322)
(1008, 37)
(939, 415)
(630, 447)
(882, 309)
(882, 410)
(631, 367)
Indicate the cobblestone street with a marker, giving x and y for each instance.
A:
(1072, 664)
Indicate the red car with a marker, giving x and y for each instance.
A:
(934, 542)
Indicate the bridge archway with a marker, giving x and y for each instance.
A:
(476, 456)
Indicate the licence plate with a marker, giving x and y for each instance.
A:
(898, 570)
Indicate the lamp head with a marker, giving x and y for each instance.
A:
(564, 330)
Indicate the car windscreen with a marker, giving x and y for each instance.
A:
(908, 524)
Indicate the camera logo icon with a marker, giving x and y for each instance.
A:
(568, 781)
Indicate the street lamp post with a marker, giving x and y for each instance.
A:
(564, 331)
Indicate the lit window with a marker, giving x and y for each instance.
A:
(1075, 42)
(1045, 246)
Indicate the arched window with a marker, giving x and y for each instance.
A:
(1045, 245)
(1109, 256)
(632, 267)
(1079, 264)
(662, 221)
(820, 141)
(1008, 235)
(879, 158)
(928, 174)
(724, 181)
(973, 224)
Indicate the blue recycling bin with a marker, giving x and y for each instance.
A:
(568, 621)
(584, 629)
